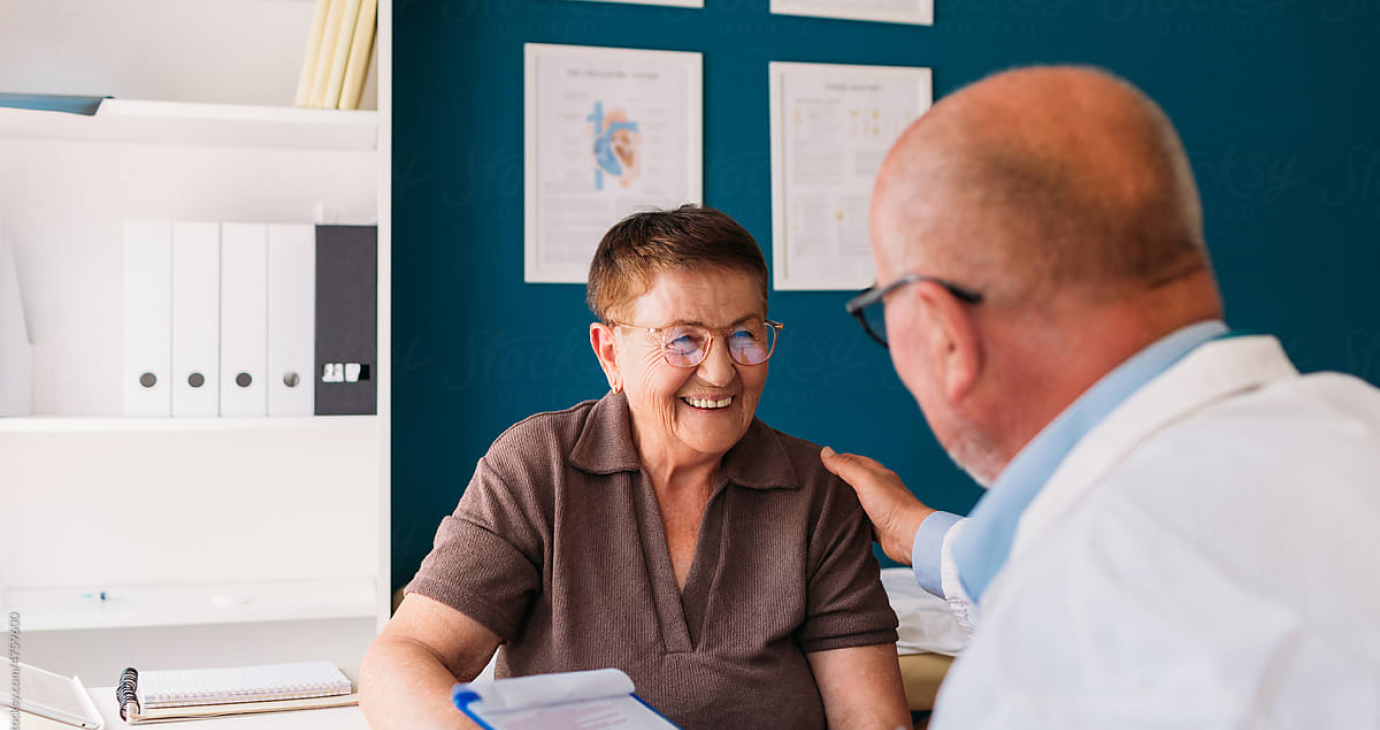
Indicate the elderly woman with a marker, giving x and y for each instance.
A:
(661, 529)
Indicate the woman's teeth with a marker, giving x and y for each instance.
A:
(709, 403)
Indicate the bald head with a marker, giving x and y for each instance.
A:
(1039, 183)
(1064, 197)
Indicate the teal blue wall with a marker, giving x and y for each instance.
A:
(1277, 101)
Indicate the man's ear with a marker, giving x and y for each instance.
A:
(955, 348)
(601, 340)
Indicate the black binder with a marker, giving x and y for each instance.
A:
(346, 320)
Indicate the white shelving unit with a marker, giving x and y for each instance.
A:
(70, 424)
(217, 541)
(200, 124)
(194, 604)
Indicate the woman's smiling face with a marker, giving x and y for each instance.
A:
(690, 412)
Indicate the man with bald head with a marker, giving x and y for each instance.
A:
(1179, 530)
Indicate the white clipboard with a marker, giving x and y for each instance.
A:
(51, 697)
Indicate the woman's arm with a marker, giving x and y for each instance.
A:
(861, 687)
(406, 676)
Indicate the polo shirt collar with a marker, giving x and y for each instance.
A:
(605, 446)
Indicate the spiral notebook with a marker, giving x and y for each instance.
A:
(158, 696)
(264, 683)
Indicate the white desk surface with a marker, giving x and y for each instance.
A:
(333, 718)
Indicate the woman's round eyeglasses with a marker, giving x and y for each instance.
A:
(750, 342)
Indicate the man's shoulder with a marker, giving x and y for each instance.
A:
(1336, 399)
(1273, 489)
(1313, 424)
(1235, 539)
(1292, 445)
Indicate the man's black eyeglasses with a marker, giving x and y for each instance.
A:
(866, 306)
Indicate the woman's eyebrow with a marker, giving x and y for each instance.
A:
(697, 323)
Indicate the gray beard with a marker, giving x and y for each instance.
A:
(974, 454)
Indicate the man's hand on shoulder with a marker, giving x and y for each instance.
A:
(895, 513)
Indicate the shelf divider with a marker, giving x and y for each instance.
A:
(199, 124)
(117, 424)
(65, 609)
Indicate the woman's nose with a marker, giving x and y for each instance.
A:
(717, 368)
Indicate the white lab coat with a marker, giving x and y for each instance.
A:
(1206, 557)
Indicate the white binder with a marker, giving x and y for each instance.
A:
(243, 319)
(148, 319)
(291, 320)
(196, 319)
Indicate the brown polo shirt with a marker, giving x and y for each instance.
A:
(557, 546)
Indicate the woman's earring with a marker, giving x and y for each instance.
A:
(617, 386)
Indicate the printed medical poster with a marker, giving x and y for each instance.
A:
(831, 126)
(609, 132)
(915, 12)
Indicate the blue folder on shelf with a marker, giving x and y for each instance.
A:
(86, 105)
(597, 698)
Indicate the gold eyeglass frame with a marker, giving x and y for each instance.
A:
(713, 335)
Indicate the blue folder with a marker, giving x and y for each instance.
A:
(86, 105)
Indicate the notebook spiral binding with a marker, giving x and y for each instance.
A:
(127, 692)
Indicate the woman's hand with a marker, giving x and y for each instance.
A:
(895, 513)
(861, 687)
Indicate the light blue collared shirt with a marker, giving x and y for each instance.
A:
(983, 547)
